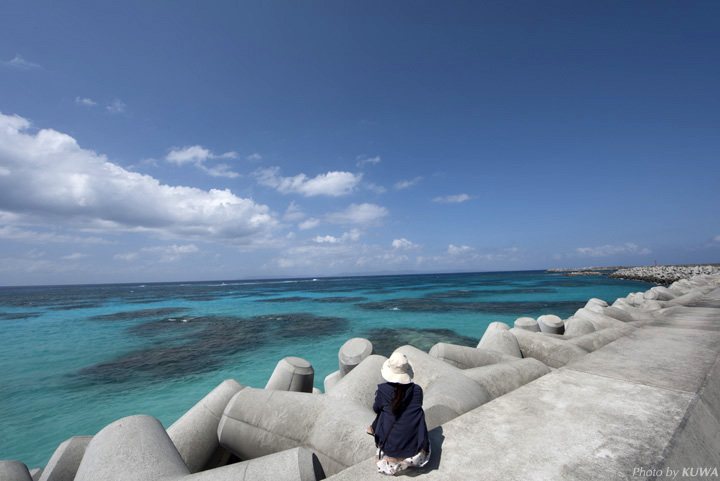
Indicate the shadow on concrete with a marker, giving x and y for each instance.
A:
(436, 442)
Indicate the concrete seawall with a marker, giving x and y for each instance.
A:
(646, 406)
(628, 391)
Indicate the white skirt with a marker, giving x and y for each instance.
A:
(390, 466)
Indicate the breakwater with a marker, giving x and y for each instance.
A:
(307, 435)
(664, 274)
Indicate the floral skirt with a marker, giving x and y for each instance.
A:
(390, 466)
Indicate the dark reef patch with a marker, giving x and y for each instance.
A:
(195, 345)
(385, 340)
(139, 314)
(14, 316)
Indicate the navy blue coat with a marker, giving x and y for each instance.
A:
(409, 434)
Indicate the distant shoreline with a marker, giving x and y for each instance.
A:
(657, 274)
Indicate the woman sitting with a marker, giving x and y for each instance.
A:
(401, 434)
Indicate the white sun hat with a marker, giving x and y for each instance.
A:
(397, 369)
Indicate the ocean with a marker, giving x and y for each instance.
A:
(76, 358)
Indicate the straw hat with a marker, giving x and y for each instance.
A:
(397, 369)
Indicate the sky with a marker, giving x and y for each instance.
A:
(188, 141)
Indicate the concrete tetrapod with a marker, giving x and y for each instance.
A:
(64, 462)
(500, 379)
(135, 448)
(498, 338)
(551, 324)
(352, 353)
(258, 422)
(552, 352)
(448, 393)
(195, 433)
(36, 473)
(14, 471)
(464, 357)
(296, 464)
(623, 311)
(596, 340)
(527, 323)
(331, 381)
(600, 321)
(292, 374)
(360, 384)
(577, 326)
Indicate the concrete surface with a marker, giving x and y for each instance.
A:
(64, 462)
(644, 407)
(292, 374)
(195, 433)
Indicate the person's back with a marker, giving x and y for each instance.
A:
(401, 433)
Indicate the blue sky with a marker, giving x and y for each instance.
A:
(167, 141)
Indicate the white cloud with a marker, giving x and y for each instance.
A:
(716, 239)
(403, 243)
(609, 250)
(19, 63)
(311, 223)
(85, 101)
(293, 213)
(333, 184)
(361, 160)
(452, 199)
(116, 107)
(169, 253)
(353, 235)
(406, 184)
(460, 251)
(198, 155)
(32, 237)
(254, 157)
(51, 179)
(74, 257)
(360, 214)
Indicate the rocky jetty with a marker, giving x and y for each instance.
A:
(665, 274)
(582, 393)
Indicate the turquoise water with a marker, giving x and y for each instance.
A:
(76, 358)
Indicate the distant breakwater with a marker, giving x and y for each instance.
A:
(664, 274)
(658, 274)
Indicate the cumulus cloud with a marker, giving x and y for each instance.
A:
(169, 253)
(406, 184)
(74, 257)
(454, 250)
(609, 250)
(333, 184)
(362, 160)
(198, 155)
(452, 199)
(293, 213)
(19, 63)
(48, 177)
(403, 243)
(85, 101)
(311, 223)
(353, 235)
(359, 214)
(117, 106)
(254, 157)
